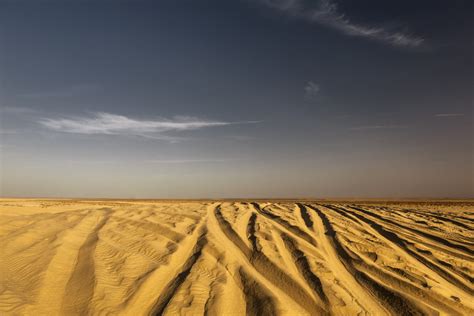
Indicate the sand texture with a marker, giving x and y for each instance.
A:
(235, 258)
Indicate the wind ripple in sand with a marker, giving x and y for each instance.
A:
(235, 258)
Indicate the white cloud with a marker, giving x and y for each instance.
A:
(113, 124)
(325, 12)
(311, 89)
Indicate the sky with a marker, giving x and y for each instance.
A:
(236, 98)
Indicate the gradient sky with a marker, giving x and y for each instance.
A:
(236, 98)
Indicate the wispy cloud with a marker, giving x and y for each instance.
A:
(311, 89)
(375, 127)
(187, 161)
(8, 131)
(113, 124)
(93, 162)
(175, 161)
(325, 12)
(241, 137)
(16, 110)
(448, 114)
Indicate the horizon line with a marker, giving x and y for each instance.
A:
(238, 199)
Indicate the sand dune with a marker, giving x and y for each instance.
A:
(235, 258)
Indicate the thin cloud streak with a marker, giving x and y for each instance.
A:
(153, 161)
(70, 91)
(16, 110)
(448, 114)
(113, 124)
(325, 12)
(374, 127)
(9, 131)
(187, 161)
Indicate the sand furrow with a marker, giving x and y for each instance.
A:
(72, 249)
(258, 299)
(302, 264)
(305, 216)
(171, 288)
(292, 229)
(453, 283)
(431, 236)
(251, 232)
(80, 287)
(430, 298)
(157, 287)
(360, 281)
(270, 271)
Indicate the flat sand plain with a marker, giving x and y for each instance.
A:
(70, 257)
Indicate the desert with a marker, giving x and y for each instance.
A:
(239, 157)
(127, 257)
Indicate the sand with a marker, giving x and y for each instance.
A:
(69, 257)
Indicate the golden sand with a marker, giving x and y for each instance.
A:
(235, 258)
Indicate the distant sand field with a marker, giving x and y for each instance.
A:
(64, 257)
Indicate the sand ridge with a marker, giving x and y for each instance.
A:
(67, 257)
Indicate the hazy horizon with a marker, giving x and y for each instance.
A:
(236, 99)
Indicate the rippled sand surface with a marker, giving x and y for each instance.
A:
(235, 258)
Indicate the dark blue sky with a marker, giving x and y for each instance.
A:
(244, 98)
